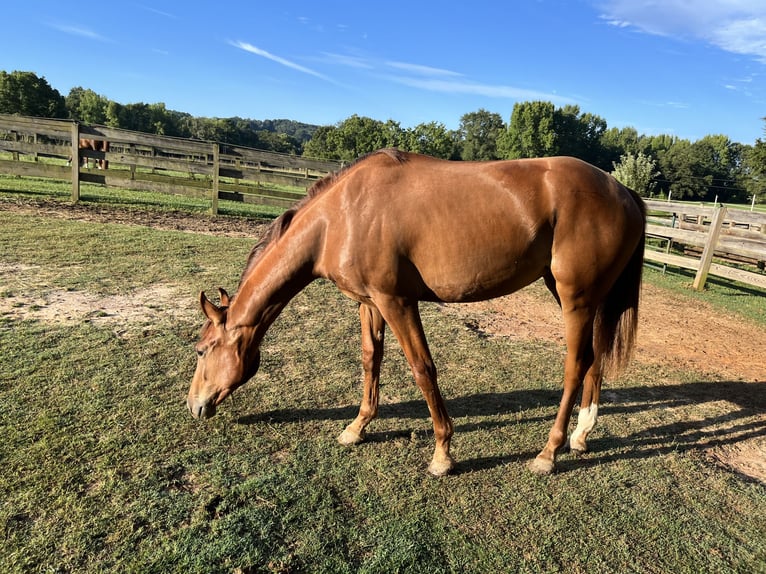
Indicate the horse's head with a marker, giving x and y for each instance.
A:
(226, 359)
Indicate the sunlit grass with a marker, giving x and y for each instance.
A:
(93, 194)
(104, 470)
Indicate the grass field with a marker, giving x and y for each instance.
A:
(93, 194)
(103, 470)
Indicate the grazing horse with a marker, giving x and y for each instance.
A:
(95, 145)
(396, 228)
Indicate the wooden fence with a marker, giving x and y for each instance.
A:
(736, 237)
(147, 162)
(216, 171)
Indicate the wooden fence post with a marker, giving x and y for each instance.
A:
(75, 162)
(707, 253)
(216, 170)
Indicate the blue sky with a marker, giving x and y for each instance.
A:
(684, 67)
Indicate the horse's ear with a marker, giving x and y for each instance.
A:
(215, 314)
(225, 299)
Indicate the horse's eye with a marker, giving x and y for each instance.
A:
(200, 352)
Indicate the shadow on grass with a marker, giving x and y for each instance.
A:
(710, 427)
(483, 404)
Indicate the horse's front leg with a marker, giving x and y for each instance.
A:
(373, 330)
(404, 320)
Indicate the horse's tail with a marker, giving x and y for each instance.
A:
(617, 318)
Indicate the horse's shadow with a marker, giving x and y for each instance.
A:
(678, 435)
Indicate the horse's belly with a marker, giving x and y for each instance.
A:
(480, 276)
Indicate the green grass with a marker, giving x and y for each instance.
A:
(98, 195)
(104, 470)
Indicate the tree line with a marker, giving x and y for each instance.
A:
(25, 93)
(654, 165)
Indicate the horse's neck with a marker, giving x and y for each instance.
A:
(281, 272)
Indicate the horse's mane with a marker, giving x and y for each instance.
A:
(282, 223)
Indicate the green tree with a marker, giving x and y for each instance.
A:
(757, 158)
(273, 141)
(579, 135)
(616, 142)
(320, 146)
(24, 93)
(479, 132)
(680, 173)
(704, 169)
(86, 106)
(530, 132)
(431, 138)
(354, 137)
(658, 144)
(754, 169)
(718, 158)
(638, 172)
(152, 119)
(357, 136)
(625, 140)
(211, 129)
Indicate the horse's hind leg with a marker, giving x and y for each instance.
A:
(578, 324)
(373, 329)
(586, 418)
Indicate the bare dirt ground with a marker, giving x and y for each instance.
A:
(672, 332)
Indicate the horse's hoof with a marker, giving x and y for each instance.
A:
(577, 446)
(542, 466)
(350, 437)
(442, 467)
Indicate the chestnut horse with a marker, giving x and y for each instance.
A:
(95, 145)
(396, 228)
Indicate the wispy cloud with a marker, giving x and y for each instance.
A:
(744, 36)
(435, 79)
(347, 61)
(418, 76)
(478, 89)
(79, 31)
(737, 26)
(450, 82)
(158, 12)
(278, 59)
(745, 85)
(422, 70)
(667, 104)
(674, 105)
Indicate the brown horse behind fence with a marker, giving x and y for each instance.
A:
(95, 145)
(397, 228)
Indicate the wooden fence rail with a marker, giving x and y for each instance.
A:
(727, 233)
(147, 162)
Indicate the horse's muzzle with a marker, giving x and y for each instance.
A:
(201, 410)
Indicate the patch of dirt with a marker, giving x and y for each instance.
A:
(671, 332)
(746, 458)
(59, 307)
(117, 311)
